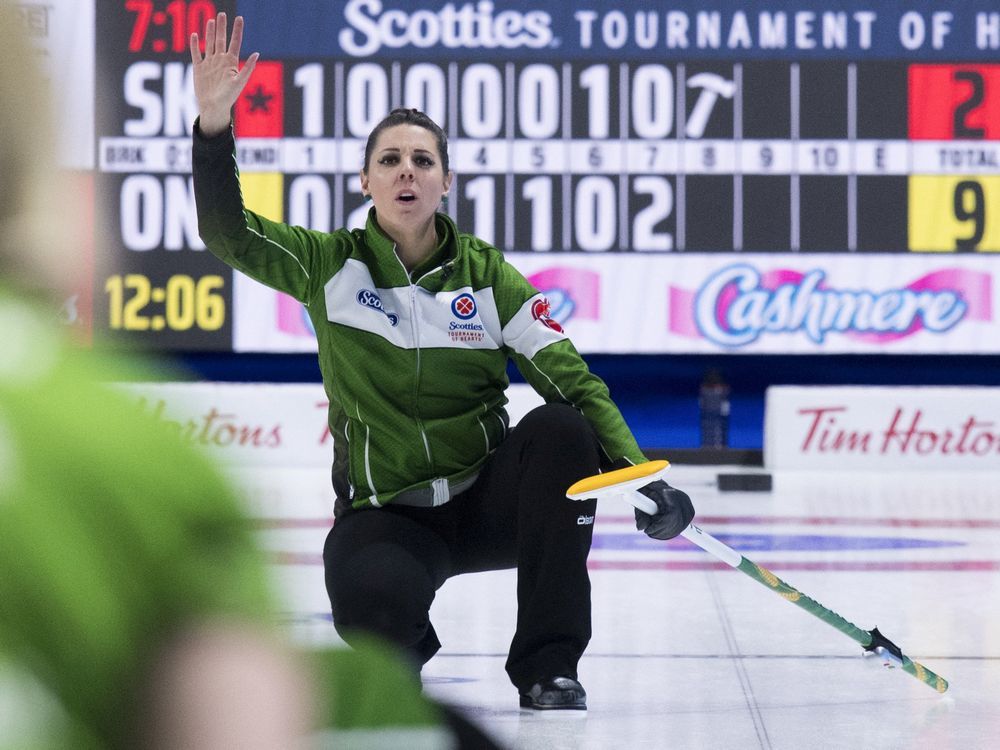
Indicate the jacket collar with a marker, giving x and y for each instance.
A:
(385, 249)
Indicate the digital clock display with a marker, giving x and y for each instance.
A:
(166, 27)
(183, 303)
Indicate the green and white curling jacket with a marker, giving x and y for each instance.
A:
(414, 364)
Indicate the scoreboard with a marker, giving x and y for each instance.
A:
(668, 140)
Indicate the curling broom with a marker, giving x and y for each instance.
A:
(626, 482)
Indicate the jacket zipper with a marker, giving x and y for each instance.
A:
(416, 381)
(415, 330)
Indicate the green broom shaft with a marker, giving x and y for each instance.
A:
(870, 640)
(863, 637)
(769, 579)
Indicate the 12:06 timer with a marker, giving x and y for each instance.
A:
(182, 303)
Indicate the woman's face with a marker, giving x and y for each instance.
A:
(405, 177)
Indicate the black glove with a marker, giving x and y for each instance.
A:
(674, 511)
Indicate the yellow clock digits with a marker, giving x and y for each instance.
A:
(134, 303)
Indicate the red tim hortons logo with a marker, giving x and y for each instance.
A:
(540, 310)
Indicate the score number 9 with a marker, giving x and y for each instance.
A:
(954, 213)
(968, 192)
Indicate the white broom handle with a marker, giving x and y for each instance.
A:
(692, 533)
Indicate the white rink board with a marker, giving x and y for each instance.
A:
(712, 303)
(884, 428)
(263, 424)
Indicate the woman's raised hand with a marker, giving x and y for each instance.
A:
(218, 79)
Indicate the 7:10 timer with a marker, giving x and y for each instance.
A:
(182, 17)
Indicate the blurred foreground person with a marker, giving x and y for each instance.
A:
(135, 610)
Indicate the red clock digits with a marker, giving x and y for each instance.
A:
(183, 17)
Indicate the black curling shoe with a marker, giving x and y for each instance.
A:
(555, 693)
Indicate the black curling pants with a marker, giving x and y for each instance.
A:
(383, 566)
